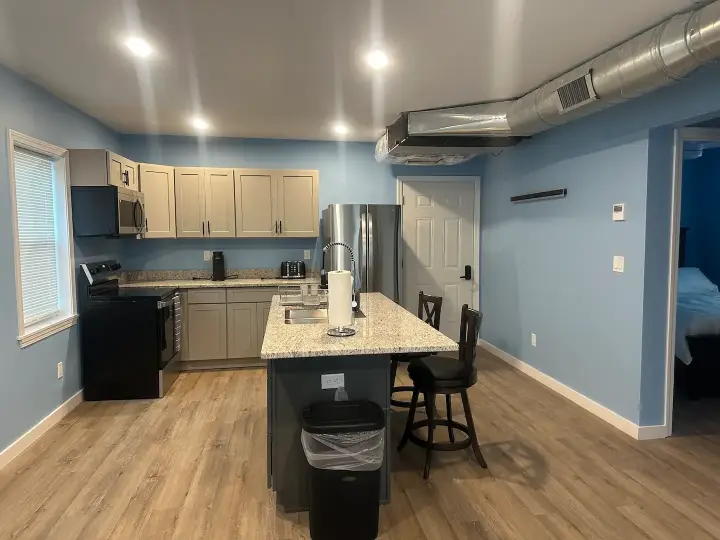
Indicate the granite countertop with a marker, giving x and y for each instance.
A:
(386, 329)
(227, 284)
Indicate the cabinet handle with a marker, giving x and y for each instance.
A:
(208, 227)
(146, 225)
(276, 226)
(281, 226)
(203, 228)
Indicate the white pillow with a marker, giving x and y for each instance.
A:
(692, 280)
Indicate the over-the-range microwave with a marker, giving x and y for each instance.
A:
(107, 211)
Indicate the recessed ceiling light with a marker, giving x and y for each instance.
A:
(138, 47)
(199, 123)
(377, 59)
(341, 128)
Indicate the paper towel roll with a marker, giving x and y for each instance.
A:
(339, 298)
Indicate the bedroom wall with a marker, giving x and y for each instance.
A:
(348, 174)
(700, 199)
(29, 387)
(547, 266)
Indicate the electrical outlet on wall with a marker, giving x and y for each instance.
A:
(60, 370)
(207, 255)
(533, 340)
(308, 255)
(332, 380)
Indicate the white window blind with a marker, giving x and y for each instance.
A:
(37, 235)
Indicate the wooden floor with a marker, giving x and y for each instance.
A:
(193, 466)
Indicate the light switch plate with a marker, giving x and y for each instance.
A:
(207, 255)
(308, 255)
(619, 264)
(533, 340)
(60, 370)
(332, 380)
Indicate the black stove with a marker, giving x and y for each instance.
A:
(130, 336)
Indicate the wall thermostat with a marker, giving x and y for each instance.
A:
(619, 212)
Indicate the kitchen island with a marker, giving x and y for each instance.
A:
(298, 354)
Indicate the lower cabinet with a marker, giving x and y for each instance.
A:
(214, 330)
(242, 326)
(207, 331)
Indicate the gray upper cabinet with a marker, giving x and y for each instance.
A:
(190, 202)
(254, 204)
(158, 186)
(220, 203)
(102, 168)
(297, 204)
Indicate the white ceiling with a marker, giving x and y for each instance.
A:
(288, 68)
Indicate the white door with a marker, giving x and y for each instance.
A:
(158, 186)
(190, 202)
(220, 203)
(439, 240)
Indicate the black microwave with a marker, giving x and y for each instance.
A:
(107, 211)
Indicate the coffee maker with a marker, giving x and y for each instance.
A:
(218, 266)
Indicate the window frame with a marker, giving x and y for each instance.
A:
(65, 241)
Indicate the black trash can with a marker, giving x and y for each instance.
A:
(344, 442)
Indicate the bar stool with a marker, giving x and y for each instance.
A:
(429, 309)
(440, 375)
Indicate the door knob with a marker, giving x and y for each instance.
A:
(468, 272)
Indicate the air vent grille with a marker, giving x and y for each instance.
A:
(576, 93)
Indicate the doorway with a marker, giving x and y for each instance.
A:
(693, 340)
(441, 237)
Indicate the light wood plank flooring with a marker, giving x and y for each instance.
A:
(193, 466)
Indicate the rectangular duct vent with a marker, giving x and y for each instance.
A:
(576, 93)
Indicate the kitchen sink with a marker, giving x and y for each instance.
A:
(303, 315)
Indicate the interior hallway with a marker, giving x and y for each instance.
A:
(193, 466)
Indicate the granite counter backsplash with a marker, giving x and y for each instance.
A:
(172, 275)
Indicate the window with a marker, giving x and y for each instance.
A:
(43, 238)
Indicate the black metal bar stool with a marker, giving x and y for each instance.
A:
(429, 309)
(441, 375)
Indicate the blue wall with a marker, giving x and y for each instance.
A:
(700, 203)
(348, 174)
(547, 266)
(29, 388)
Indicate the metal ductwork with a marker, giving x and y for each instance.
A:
(665, 53)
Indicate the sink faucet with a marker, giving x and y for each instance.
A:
(353, 272)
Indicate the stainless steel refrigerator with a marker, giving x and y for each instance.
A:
(373, 232)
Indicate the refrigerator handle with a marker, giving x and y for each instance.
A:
(363, 255)
(370, 270)
(398, 261)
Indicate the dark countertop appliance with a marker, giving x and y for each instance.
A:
(129, 337)
(292, 270)
(218, 266)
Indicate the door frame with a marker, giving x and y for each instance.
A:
(476, 180)
(680, 137)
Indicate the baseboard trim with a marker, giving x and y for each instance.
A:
(611, 417)
(38, 430)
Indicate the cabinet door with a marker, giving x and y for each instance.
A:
(254, 214)
(220, 203)
(115, 170)
(190, 202)
(242, 330)
(130, 172)
(263, 310)
(207, 331)
(297, 203)
(158, 186)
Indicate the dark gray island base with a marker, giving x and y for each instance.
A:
(294, 384)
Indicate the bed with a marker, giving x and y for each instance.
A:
(697, 332)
